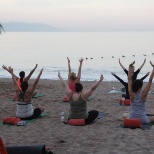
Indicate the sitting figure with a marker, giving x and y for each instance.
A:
(24, 109)
(138, 97)
(78, 101)
(72, 78)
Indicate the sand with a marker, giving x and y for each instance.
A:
(103, 137)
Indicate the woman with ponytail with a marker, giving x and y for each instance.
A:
(22, 77)
(24, 109)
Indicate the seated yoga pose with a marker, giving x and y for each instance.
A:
(24, 107)
(138, 97)
(72, 78)
(78, 101)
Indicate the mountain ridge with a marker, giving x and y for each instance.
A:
(30, 27)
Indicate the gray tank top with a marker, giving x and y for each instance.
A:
(78, 109)
(138, 109)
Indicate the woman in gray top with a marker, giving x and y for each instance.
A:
(78, 101)
(138, 97)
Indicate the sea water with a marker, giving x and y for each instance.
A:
(101, 52)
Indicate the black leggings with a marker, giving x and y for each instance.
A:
(92, 117)
(36, 114)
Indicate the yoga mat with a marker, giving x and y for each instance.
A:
(116, 92)
(32, 120)
(102, 115)
(38, 95)
(144, 127)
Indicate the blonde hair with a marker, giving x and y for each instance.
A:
(73, 76)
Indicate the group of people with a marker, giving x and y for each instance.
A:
(78, 97)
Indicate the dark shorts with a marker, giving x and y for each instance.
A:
(36, 114)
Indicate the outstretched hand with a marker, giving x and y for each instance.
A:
(101, 78)
(132, 63)
(119, 61)
(36, 66)
(81, 60)
(59, 74)
(4, 67)
(151, 64)
(112, 73)
(148, 73)
(41, 71)
(68, 60)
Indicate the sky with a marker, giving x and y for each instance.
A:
(81, 15)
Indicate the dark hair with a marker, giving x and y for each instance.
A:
(137, 84)
(22, 75)
(24, 85)
(78, 87)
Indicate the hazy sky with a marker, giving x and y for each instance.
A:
(82, 15)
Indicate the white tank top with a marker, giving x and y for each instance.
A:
(24, 109)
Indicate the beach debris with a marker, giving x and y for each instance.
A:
(61, 140)
(123, 56)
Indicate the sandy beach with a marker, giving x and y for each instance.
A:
(102, 137)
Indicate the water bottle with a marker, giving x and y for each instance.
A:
(62, 116)
(123, 100)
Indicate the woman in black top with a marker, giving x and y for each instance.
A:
(126, 83)
(134, 74)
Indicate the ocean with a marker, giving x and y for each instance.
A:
(101, 52)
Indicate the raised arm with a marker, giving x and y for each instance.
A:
(69, 68)
(118, 78)
(67, 89)
(32, 89)
(88, 92)
(147, 88)
(121, 65)
(10, 70)
(131, 94)
(7, 69)
(30, 74)
(142, 64)
(79, 70)
(145, 76)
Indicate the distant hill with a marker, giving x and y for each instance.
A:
(29, 27)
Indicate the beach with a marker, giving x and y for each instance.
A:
(103, 137)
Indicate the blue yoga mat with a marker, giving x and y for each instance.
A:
(116, 92)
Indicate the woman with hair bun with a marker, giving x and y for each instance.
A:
(138, 97)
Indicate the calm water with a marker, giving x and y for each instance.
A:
(50, 50)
